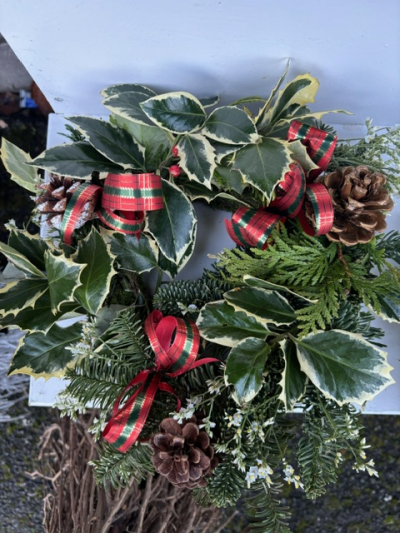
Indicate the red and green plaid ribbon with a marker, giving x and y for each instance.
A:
(252, 227)
(175, 343)
(129, 194)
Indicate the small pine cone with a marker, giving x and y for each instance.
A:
(360, 201)
(183, 453)
(54, 199)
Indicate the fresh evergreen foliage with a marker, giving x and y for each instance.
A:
(264, 508)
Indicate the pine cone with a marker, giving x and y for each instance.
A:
(183, 453)
(360, 201)
(53, 201)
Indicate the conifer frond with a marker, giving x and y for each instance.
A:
(264, 508)
(119, 468)
(226, 486)
(390, 244)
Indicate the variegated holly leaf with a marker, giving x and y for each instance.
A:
(197, 191)
(177, 112)
(299, 153)
(120, 88)
(77, 160)
(40, 317)
(210, 101)
(263, 165)
(20, 294)
(230, 178)
(260, 119)
(244, 368)
(174, 226)
(230, 125)
(15, 160)
(265, 306)
(219, 322)
(20, 261)
(293, 382)
(46, 355)
(113, 143)
(127, 105)
(251, 281)
(172, 269)
(64, 278)
(197, 158)
(133, 254)
(222, 150)
(343, 365)
(32, 247)
(157, 142)
(248, 100)
(96, 276)
(390, 308)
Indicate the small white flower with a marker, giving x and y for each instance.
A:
(290, 477)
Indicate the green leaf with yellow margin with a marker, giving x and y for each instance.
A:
(299, 153)
(133, 254)
(265, 306)
(96, 276)
(263, 165)
(293, 382)
(230, 125)
(264, 110)
(127, 105)
(251, 281)
(219, 322)
(245, 366)
(64, 277)
(172, 269)
(343, 365)
(18, 295)
(46, 355)
(390, 308)
(120, 88)
(20, 261)
(177, 112)
(15, 160)
(31, 246)
(197, 158)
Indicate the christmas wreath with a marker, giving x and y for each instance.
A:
(196, 380)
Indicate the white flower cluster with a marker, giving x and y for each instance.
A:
(262, 471)
(291, 477)
(215, 385)
(256, 430)
(360, 466)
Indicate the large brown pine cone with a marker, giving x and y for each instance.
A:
(53, 201)
(183, 453)
(360, 201)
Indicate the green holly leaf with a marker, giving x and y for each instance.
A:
(390, 308)
(120, 88)
(251, 281)
(127, 105)
(197, 158)
(230, 125)
(196, 191)
(222, 150)
(265, 306)
(96, 276)
(20, 261)
(64, 277)
(157, 142)
(32, 247)
(38, 318)
(174, 226)
(46, 355)
(232, 179)
(245, 366)
(263, 165)
(133, 254)
(177, 112)
(20, 294)
(210, 101)
(220, 323)
(293, 382)
(113, 143)
(77, 160)
(261, 117)
(15, 161)
(172, 269)
(343, 365)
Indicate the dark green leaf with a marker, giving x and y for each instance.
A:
(265, 306)
(63, 276)
(177, 112)
(197, 158)
(96, 276)
(127, 105)
(248, 100)
(262, 284)
(390, 308)
(263, 165)
(15, 161)
(172, 269)
(196, 191)
(133, 254)
(222, 150)
(77, 160)
(343, 365)
(31, 246)
(174, 226)
(19, 294)
(221, 323)
(293, 381)
(230, 125)
(260, 119)
(120, 88)
(114, 143)
(232, 179)
(20, 261)
(46, 355)
(244, 368)
(209, 102)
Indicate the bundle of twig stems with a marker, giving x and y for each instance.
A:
(76, 504)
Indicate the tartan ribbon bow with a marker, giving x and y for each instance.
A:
(130, 194)
(252, 227)
(175, 343)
